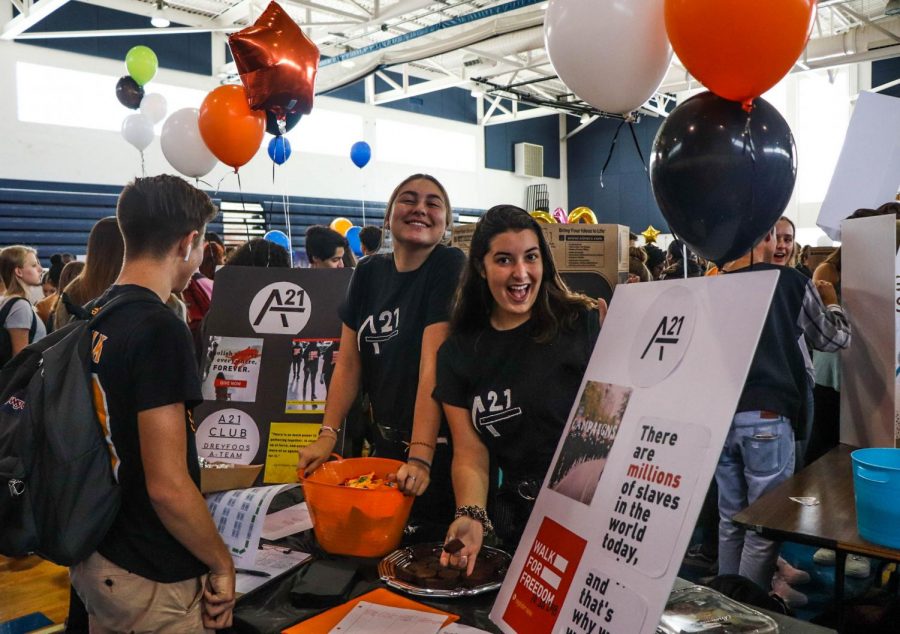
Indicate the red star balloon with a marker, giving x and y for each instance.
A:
(277, 63)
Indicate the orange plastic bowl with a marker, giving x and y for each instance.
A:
(357, 522)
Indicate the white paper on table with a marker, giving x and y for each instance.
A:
(372, 618)
(274, 561)
(293, 519)
(457, 628)
(239, 517)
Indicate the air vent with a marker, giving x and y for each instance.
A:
(529, 160)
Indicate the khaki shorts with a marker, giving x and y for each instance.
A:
(120, 601)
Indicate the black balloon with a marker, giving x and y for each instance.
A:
(290, 120)
(721, 175)
(129, 92)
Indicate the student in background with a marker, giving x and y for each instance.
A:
(785, 245)
(508, 375)
(163, 566)
(260, 252)
(395, 318)
(325, 247)
(20, 271)
(759, 451)
(105, 250)
(370, 240)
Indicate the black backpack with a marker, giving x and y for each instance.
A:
(5, 341)
(58, 497)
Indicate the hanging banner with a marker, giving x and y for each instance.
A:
(272, 338)
(610, 526)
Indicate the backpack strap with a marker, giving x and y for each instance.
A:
(74, 309)
(7, 307)
(4, 312)
(33, 330)
(96, 311)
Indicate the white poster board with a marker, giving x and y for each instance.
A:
(869, 365)
(651, 417)
(867, 174)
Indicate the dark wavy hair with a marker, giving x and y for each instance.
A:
(555, 308)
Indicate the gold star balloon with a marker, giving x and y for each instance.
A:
(650, 234)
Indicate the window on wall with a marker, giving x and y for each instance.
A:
(89, 98)
(327, 132)
(90, 102)
(820, 122)
(423, 146)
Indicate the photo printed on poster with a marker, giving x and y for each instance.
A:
(312, 365)
(586, 447)
(230, 369)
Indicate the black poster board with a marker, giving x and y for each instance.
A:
(272, 338)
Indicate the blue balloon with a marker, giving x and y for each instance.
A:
(279, 149)
(352, 236)
(360, 154)
(280, 238)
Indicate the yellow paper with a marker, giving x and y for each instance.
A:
(285, 439)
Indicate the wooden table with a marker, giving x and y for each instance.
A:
(829, 524)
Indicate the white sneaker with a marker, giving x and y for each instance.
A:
(793, 576)
(857, 567)
(824, 557)
(792, 598)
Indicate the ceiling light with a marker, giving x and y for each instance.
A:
(157, 18)
(892, 7)
(585, 118)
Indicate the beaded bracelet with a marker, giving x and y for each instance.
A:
(420, 461)
(329, 428)
(424, 444)
(477, 513)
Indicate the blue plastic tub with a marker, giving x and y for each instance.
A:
(876, 481)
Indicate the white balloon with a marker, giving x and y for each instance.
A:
(611, 53)
(153, 106)
(138, 130)
(183, 146)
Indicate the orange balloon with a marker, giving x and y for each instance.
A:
(341, 225)
(739, 49)
(230, 129)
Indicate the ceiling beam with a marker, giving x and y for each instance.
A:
(146, 9)
(315, 6)
(871, 23)
(36, 11)
(178, 30)
(415, 90)
(521, 115)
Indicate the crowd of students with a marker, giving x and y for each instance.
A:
(470, 364)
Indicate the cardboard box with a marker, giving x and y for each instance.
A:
(592, 259)
(240, 476)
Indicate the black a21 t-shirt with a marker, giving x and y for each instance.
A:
(519, 392)
(389, 311)
(143, 359)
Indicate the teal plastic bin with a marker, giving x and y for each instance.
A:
(876, 482)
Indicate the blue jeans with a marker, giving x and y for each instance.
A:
(758, 454)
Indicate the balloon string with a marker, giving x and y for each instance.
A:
(143, 166)
(364, 200)
(748, 144)
(285, 205)
(219, 184)
(684, 261)
(609, 156)
(638, 147)
(244, 211)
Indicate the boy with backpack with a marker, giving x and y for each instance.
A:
(162, 565)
